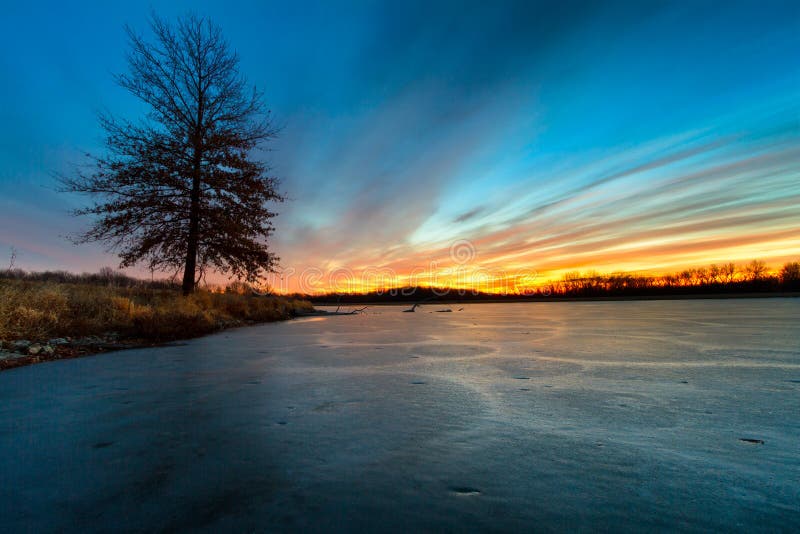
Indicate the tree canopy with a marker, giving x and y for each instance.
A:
(179, 189)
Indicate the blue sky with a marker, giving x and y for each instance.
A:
(552, 135)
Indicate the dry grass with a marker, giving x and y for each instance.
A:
(44, 310)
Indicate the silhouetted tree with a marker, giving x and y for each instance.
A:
(756, 270)
(728, 272)
(790, 275)
(180, 190)
(714, 273)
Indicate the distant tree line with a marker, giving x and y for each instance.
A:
(724, 279)
(714, 279)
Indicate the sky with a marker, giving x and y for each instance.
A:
(457, 143)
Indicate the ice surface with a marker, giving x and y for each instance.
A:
(502, 417)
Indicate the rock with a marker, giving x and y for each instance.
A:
(11, 355)
(48, 350)
(21, 345)
(34, 349)
(87, 341)
(58, 341)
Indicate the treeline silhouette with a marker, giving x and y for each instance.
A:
(725, 279)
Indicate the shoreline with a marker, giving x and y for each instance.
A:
(16, 360)
(51, 320)
(94, 346)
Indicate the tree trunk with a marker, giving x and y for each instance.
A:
(194, 206)
(194, 230)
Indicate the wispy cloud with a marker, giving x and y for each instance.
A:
(619, 136)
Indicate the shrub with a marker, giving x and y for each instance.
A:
(37, 310)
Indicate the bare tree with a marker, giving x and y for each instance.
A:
(12, 261)
(179, 189)
(714, 273)
(756, 270)
(790, 273)
(728, 272)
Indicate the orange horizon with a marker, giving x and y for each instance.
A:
(520, 280)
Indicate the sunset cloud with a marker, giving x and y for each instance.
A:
(617, 137)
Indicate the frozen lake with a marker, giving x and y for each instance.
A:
(501, 417)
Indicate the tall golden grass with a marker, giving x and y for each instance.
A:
(43, 310)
